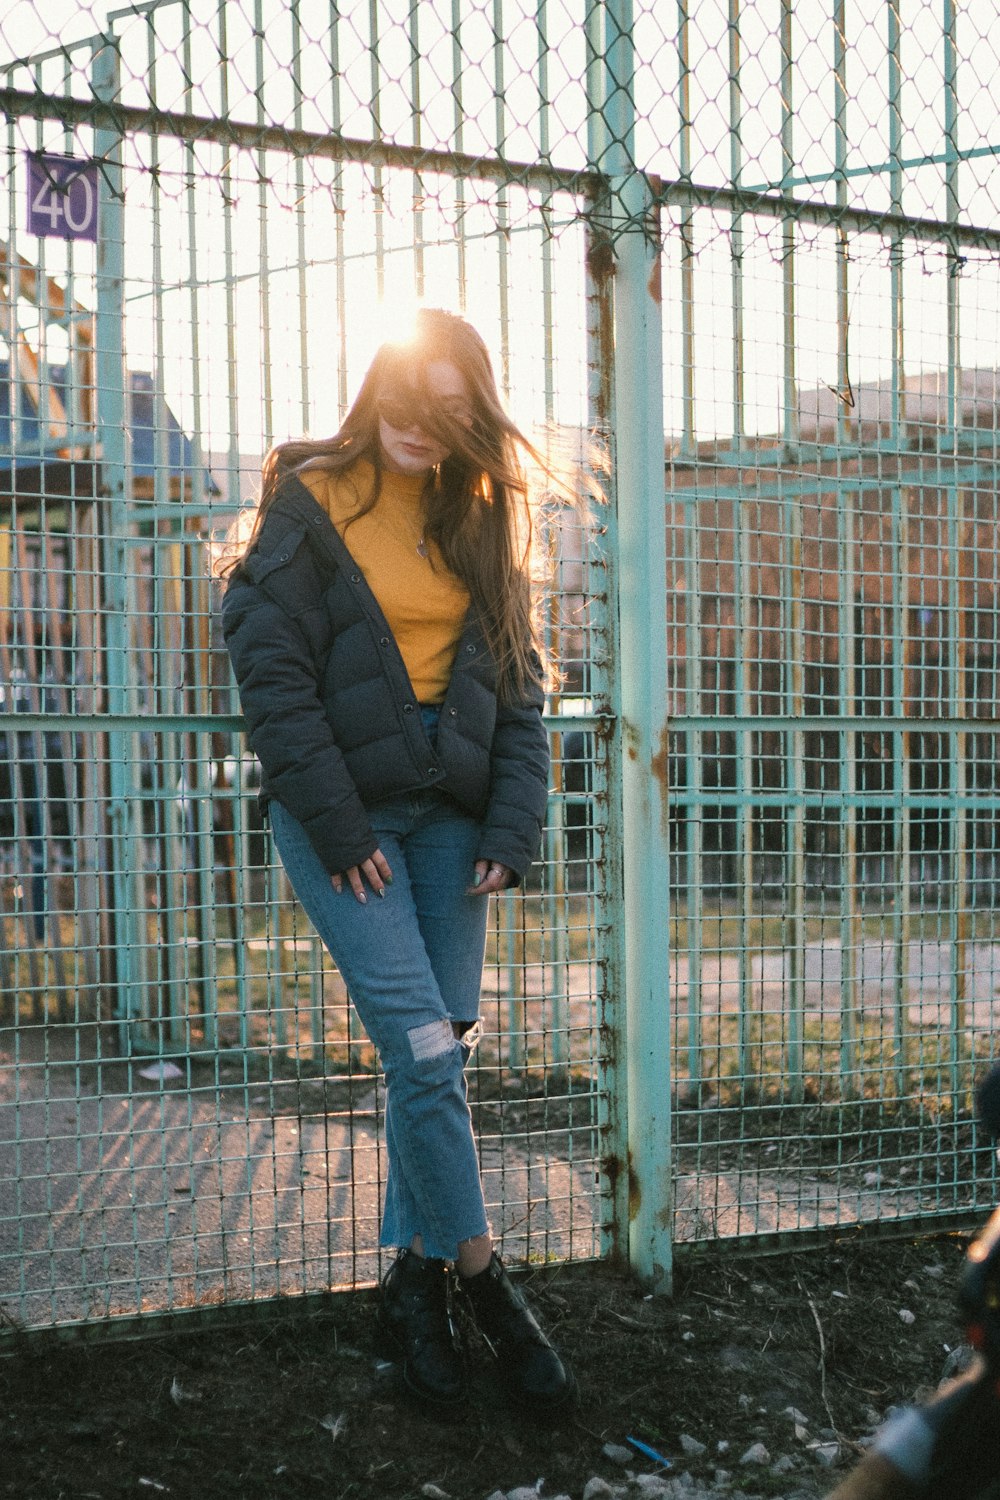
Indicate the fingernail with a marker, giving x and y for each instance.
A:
(478, 879)
(362, 897)
(388, 880)
(382, 894)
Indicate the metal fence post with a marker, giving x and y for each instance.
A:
(114, 448)
(642, 682)
(639, 543)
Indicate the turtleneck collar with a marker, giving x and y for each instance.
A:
(408, 486)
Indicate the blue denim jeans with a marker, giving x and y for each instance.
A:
(412, 962)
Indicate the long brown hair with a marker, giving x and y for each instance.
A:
(478, 507)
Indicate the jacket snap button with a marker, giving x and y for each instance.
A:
(283, 557)
(355, 577)
(407, 708)
(384, 641)
(453, 712)
(317, 520)
(471, 650)
(432, 770)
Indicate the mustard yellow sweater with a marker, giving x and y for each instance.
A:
(423, 602)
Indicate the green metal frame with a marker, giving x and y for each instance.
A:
(716, 1009)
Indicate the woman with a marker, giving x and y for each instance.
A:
(379, 625)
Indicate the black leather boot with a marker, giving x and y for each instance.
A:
(415, 1319)
(529, 1366)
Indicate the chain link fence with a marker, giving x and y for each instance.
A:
(747, 250)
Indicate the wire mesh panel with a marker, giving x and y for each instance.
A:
(753, 240)
(189, 1110)
(832, 586)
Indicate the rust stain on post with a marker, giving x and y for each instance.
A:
(660, 762)
(634, 1191)
(613, 1166)
(601, 261)
(655, 283)
(660, 767)
(601, 266)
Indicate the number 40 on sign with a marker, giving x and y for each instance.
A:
(62, 196)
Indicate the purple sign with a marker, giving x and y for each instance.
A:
(62, 196)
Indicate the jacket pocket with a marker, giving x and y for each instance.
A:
(291, 576)
(260, 566)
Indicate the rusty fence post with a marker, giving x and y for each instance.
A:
(639, 516)
(639, 945)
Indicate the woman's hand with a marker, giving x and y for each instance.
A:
(375, 870)
(490, 877)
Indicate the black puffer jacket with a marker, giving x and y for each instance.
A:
(331, 713)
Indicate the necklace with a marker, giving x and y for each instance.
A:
(418, 535)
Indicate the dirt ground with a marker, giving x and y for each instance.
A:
(300, 1407)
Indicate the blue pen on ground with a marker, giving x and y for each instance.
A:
(649, 1452)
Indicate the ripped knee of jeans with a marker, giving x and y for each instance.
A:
(437, 1039)
(469, 1034)
(433, 1039)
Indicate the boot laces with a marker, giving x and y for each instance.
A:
(422, 1302)
(503, 1314)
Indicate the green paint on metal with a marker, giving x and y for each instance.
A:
(767, 895)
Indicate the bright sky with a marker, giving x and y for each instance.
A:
(260, 306)
(27, 26)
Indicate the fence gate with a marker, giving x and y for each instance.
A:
(189, 1112)
(832, 629)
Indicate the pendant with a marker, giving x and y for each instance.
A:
(422, 547)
